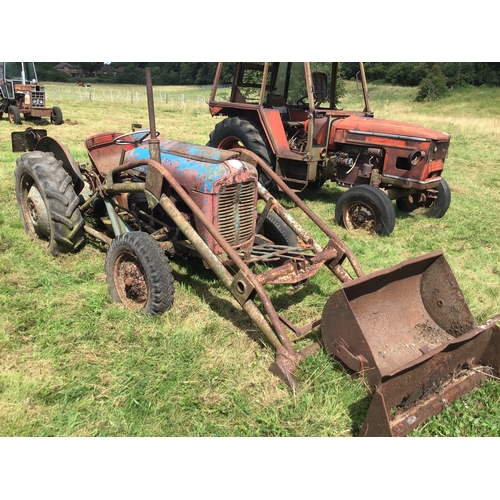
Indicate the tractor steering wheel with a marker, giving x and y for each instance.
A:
(136, 137)
(301, 102)
(319, 97)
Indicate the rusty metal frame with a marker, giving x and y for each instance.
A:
(245, 285)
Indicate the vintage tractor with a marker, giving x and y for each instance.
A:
(21, 93)
(287, 114)
(151, 199)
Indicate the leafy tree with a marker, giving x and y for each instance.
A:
(202, 73)
(130, 75)
(433, 85)
(459, 74)
(375, 71)
(405, 74)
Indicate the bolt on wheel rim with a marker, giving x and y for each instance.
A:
(360, 216)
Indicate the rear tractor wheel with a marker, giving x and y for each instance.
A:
(235, 132)
(47, 202)
(367, 208)
(139, 274)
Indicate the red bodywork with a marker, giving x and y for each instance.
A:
(312, 142)
(396, 140)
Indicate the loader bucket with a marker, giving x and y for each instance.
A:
(409, 331)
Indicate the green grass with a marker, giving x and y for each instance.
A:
(72, 363)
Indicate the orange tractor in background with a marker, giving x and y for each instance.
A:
(287, 114)
(20, 93)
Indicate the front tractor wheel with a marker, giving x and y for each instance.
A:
(235, 132)
(47, 202)
(14, 115)
(139, 274)
(276, 230)
(367, 208)
(429, 203)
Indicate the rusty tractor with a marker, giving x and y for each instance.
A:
(150, 199)
(20, 93)
(287, 114)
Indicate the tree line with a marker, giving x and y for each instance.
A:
(432, 79)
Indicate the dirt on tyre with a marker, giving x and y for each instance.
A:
(421, 203)
(236, 132)
(47, 202)
(139, 274)
(366, 208)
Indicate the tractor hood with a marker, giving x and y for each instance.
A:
(197, 168)
(386, 128)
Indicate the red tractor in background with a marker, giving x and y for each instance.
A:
(20, 92)
(287, 114)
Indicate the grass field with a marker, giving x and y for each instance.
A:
(72, 363)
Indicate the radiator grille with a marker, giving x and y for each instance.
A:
(38, 99)
(237, 212)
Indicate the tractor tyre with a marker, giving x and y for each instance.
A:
(368, 208)
(275, 229)
(56, 116)
(235, 132)
(47, 202)
(14, 115)
(139, 274)
(433, 207)
(318, 182)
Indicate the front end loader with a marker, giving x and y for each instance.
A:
(407, 329)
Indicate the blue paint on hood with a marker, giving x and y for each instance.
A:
(188, 161)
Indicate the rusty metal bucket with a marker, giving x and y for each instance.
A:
(409, 331)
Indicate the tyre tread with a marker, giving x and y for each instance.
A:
(55, 186)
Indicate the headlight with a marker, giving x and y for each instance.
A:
(415, 156)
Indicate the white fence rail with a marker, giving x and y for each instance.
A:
(125, 95)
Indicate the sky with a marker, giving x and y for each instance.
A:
(388, 30)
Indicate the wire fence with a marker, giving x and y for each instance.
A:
(129, 93)
(125, 95)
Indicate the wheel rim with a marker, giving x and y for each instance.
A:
(34, 209)
(360, 216)
(130, 281)
(230, 142)
(12, 118)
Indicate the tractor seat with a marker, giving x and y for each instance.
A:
(277, 102)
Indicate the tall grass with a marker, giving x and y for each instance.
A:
(72, 363)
